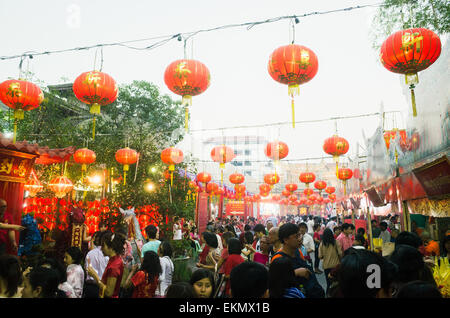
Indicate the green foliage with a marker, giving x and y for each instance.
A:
(397, 15)
(141, 118)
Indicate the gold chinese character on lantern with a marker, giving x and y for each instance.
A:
(6, 165)
(408, 41)
(304, 57)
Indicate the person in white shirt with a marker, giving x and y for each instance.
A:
(75, 273)
(310, 225)
(165, 279)
(308, 241)
(384, 235)
(96, 258)
(332, 223)
(177, 235)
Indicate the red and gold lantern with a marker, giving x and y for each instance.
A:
(293, 65)
(236, 178)
(330, 190)
(204, 177)
(20, 96)
(307, 178)
(84, 157)
(222, 155)
(409, 52)
(126, 157)
(286, 193)
(320, 185)
(61, 186)
(344, 174)
(264, 188)
(272, 179)
(96, 89)
(33, 186)
(291, 187)
(336, 146)
(187, 78)
(172, 156)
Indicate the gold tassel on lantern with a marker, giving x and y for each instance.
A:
(171, 169)
(186, 101)
(293, 90)
(125, 169)
(412, 80)
(222, 166)
(95, 109)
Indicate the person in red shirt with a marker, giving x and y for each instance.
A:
(109, 284)
(146, 280)
(8, 242)
(234, 259)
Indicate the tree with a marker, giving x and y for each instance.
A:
(395, 15)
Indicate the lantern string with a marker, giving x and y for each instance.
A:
(167, 38)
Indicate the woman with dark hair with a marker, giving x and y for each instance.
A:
(209, 261)
(203, 282)
(330, 252)
(60, 269)
(419, 289)
(146, 280)
(10, 276)
(282, 281)
(234, 259)
(247, 252)
(109, 284)
(41, 282)
(180, 290)
(165, 280)
(75, 273)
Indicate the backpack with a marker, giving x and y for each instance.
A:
(311, 286)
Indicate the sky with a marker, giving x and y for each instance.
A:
(350, 80)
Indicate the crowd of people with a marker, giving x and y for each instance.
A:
(276, 257)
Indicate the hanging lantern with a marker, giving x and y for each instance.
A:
(265, 188)
(172, 156)
(271, 179)
(320, 185)
(96, 89)
(222, 155)
(291, 187)
(236, 178)
(344, 174)
(308, 192)
(61, 186)
(20, 96)
(330, 190)
(293, 198)
(276, 150)
(33, 186)
(239, 188)
(293, 65)
(264, 194)
(204, 177)
(320, 200)
(286, 193)
(409, 52)
(336, 146)
(187, 78)
(84, 157)
(307, 178)
(126, 157)
(332, 197)
(212, 188)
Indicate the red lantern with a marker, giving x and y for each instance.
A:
(320, 185)
(409, 52)
(293, 65)
(96, 89)
(336, 146)
(271, 179)
(187, 78)
(332, 197)
(236, 178)
(212, 187)
(222, 155)
(33, 186)
(126, 157)
(220, 191)
(257, 197)
(344, 174)
(204, 177)
(172, 156)
(330, 190)
(61, 186)
(265, 188)
(276, 197)
(276, 150)
(307, 178)
(20, 96)
(264, 194)
(308, 192)
(291, 187)
(286, 193)
(293, 198)
(391, 134)
(85, 157)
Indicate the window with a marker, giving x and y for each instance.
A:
(238, 152)
(247, 163)
(248, 173)
(247, 152)
(237, 163)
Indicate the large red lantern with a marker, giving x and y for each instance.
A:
(409, 52)
(307, 178)
(20, 96)
(204, 177)
(308, 192)
(330, 190)
(291, 187)
(96, 89)
(172, 156)
(222, 155)
(187, 78)
(332, 197)
(61, 186)
(293, 65)
(344, 174)
(336, 146)
(84, 157)
(265, 188)
(126, 157)
(236, 178)
(271, 179)
(320, 185)
(276, 150)
(212, 187)
(286, 193)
